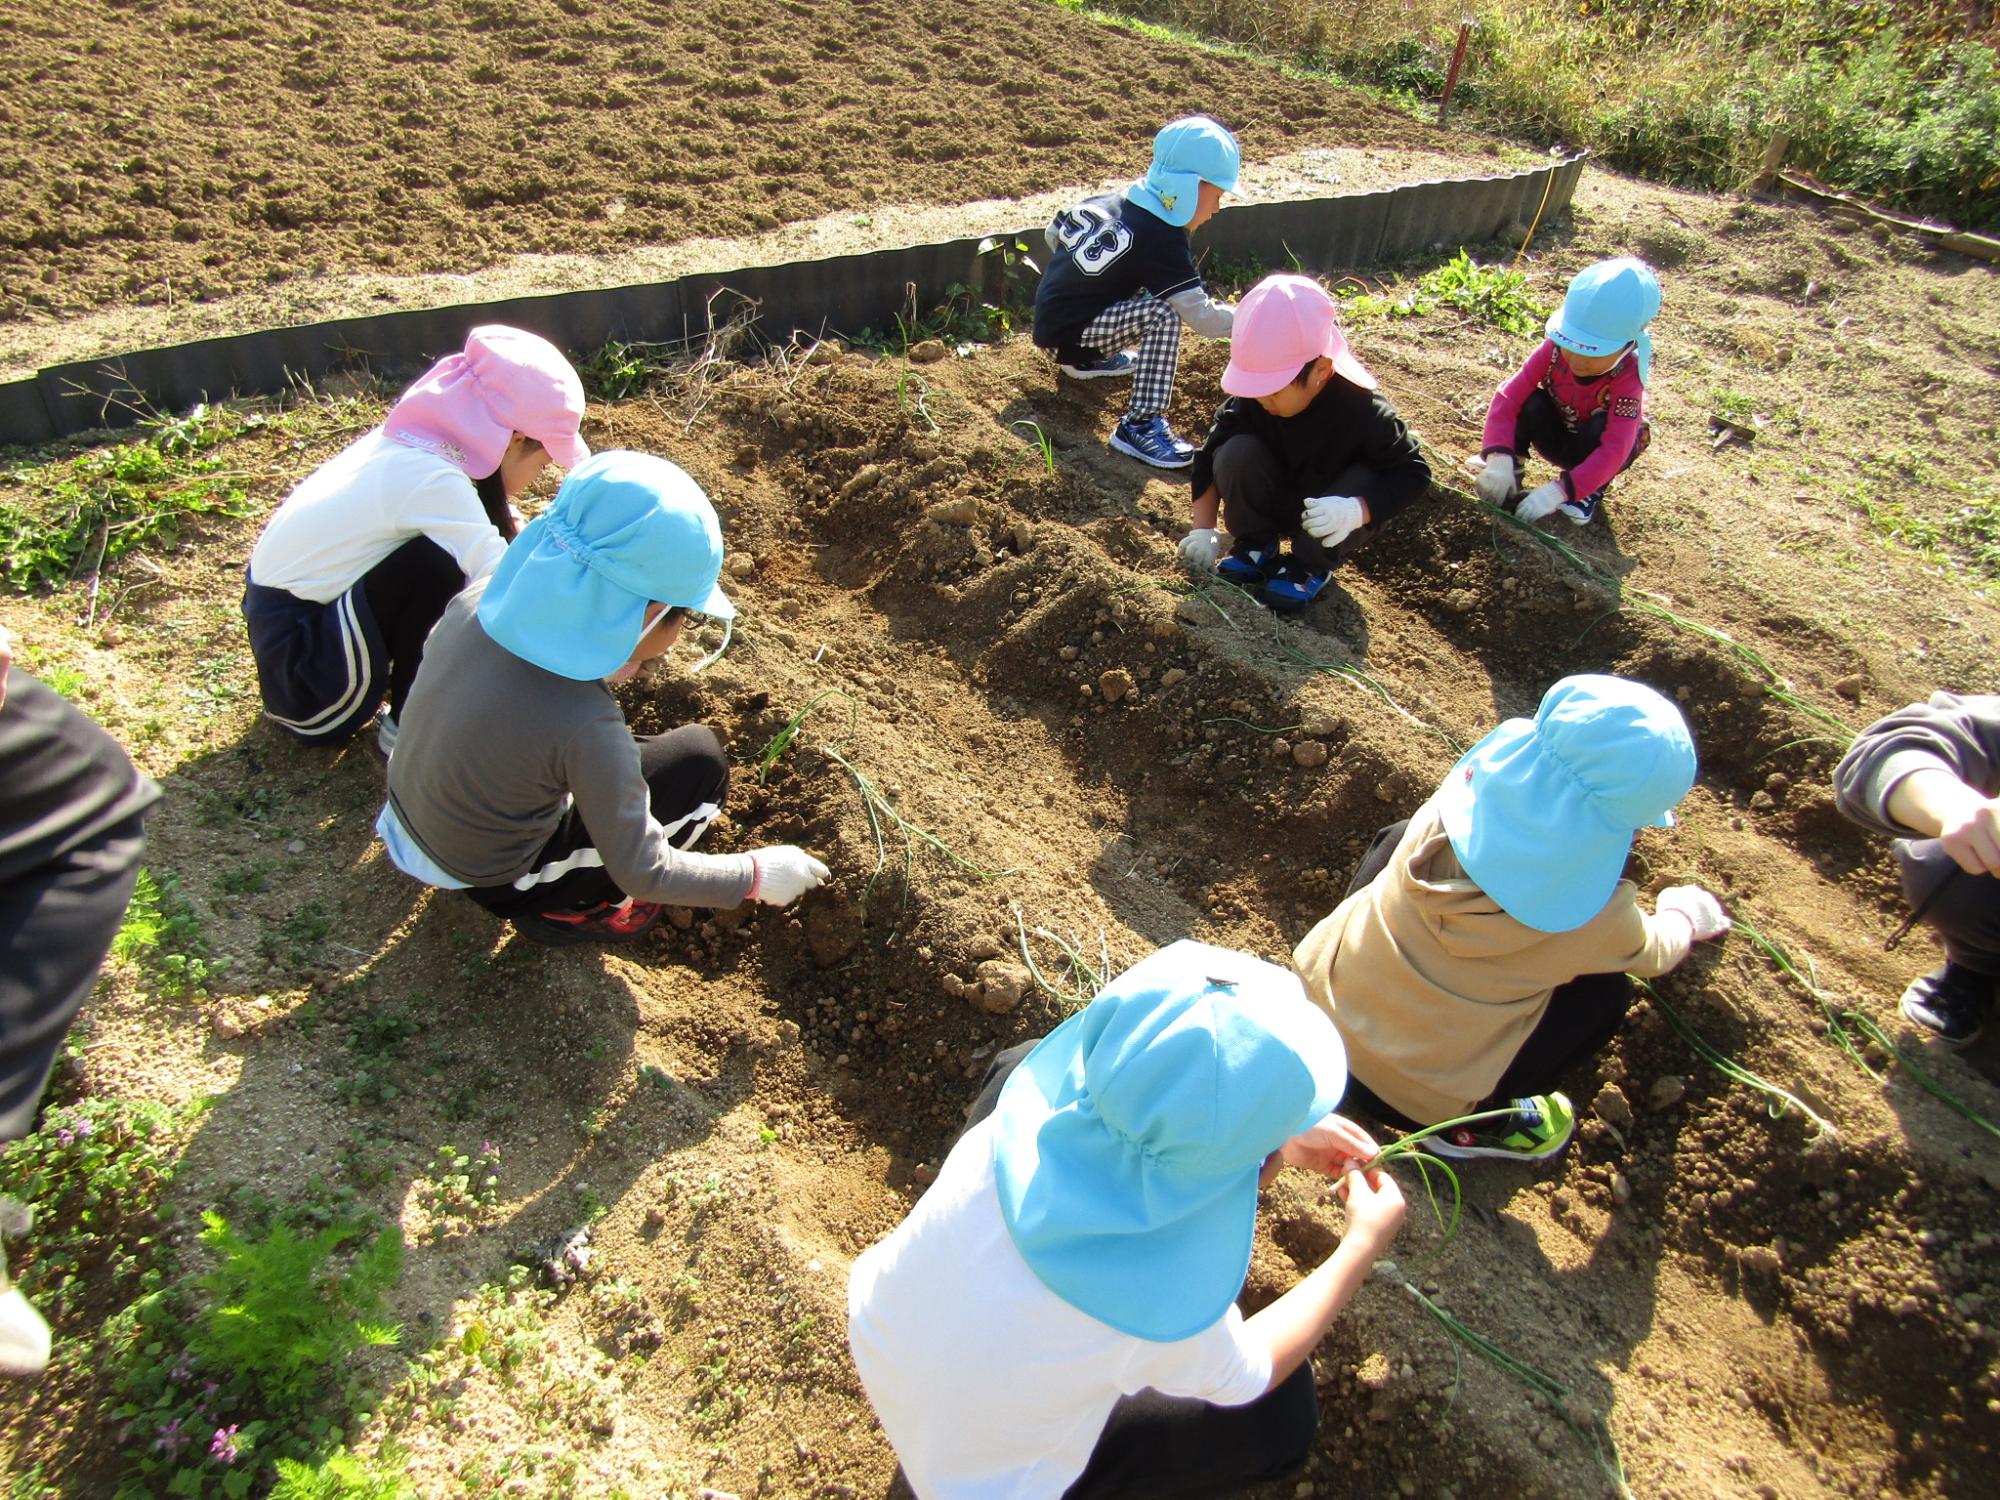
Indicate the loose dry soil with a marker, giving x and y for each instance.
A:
(1012, 658)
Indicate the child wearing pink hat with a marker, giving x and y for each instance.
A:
(1305, 451)
(360, 560)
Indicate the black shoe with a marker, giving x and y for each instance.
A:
(1951, 1001)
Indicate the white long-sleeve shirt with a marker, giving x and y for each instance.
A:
(361, 505)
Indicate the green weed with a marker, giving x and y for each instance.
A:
(161, 935)
(342, 1476)
(1485, 294)
(83, 514)
(457, 1190)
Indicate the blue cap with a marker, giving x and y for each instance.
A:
(1541, 812)
(1186, 153)
(626, 528)
(1127, 1144)
(1608, 306)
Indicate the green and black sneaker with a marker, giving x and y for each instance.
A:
(1536, 1130)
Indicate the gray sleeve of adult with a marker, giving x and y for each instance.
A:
(601, 766)
(1202, 313)
(1049, 239)
(1957, 734)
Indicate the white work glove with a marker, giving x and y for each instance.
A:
(1496, 480)
(1541, 502)
(1331, 519)
(1704, 913)
(1201, 547)
(785, 872)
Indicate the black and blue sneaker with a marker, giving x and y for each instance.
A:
(1151, 441)
(1292, 586)
(1248, 567)
(1109, 367)
(1583, 511)
(1951, 1002)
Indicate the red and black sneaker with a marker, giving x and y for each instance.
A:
(606, 922)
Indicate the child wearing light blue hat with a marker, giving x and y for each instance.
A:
(1121, 273)
(1485, 942)
(1580, 400)
(514, 777)
(1057, 1315)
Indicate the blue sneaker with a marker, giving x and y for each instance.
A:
(1249, 567)
(1583, 511)
(1110, 367)
(1151, 441)
(1293, 586)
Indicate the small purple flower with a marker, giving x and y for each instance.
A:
(487, 1148)
(222, 1448)
(170, 1440)
(183, 1367)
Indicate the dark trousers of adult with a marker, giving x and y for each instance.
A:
(56, 924)
(1156, 1447)
(686, 773)
(1964, 909)
(1262, 505)
(407, 593)
(1582, 1017)
(1540, 426)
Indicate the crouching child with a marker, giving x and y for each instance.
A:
(1057, 1315)
(1307, 460)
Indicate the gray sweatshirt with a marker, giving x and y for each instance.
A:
(1961, 735)
(489, 751)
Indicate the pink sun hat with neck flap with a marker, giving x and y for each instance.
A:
(506, 380)
(1282, 322)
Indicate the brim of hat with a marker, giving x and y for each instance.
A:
(568, 449)
(1240, 380)
(1525, 836)
(717, 606)
(1186, 188)
(1154, 1260)
(1580, 341)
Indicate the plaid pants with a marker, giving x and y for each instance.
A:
(1157, 327)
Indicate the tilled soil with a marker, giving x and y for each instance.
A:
(1012, 659)
(159, 151)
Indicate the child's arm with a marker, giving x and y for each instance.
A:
(1401, 473)
(1292, 1327)
(1505, 410)
(1202, 313)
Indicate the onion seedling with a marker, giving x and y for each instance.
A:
(1868, 1028)
(878, 808)
(1409, 1148)
(780, 742)
(1782, 1100)
(1043, 445)
(1088, 980)
(1578, 1417)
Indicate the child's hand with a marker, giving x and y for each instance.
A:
(1334, 1146)
(1375, 1208)
(1496, 480)
(1332, 519)
(1541, 502)
(1201, 547)
(1701, 911)
(784, 873)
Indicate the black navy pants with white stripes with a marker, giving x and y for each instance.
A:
(687, 774)
(324, 669)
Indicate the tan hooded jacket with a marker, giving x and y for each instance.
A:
(1435, 988)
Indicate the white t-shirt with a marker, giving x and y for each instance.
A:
(361, 505)
(989, 1385)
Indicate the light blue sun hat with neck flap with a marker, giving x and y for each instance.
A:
(1542, 811)
(1126, 1146)
(1186, 153)
(626, 530)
